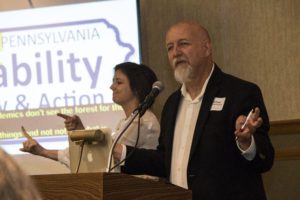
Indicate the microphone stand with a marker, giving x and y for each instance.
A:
(132, 117)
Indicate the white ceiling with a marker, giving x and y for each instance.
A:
(6, 5)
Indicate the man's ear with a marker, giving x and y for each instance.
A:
(208, 46)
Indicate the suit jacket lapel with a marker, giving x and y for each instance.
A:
(208, 98)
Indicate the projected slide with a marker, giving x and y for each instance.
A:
(61, 59)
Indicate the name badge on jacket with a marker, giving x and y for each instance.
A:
(218, 104)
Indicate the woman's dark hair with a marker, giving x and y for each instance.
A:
(141, 78)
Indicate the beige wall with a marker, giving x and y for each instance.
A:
(256, 40)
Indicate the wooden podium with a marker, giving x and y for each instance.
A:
(105, 186)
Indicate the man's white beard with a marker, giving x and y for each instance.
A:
(183, 73)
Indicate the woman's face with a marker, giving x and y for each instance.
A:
(122, 93)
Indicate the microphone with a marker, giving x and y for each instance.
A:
(157, 87)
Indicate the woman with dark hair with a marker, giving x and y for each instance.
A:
(141, 78)
(131, 84)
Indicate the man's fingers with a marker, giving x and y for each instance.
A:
(258, 122)
(63, 116)
(256, 113)
(25, 133)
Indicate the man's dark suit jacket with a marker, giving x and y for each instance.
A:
(216, 168)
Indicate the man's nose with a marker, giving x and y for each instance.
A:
(176, 51)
